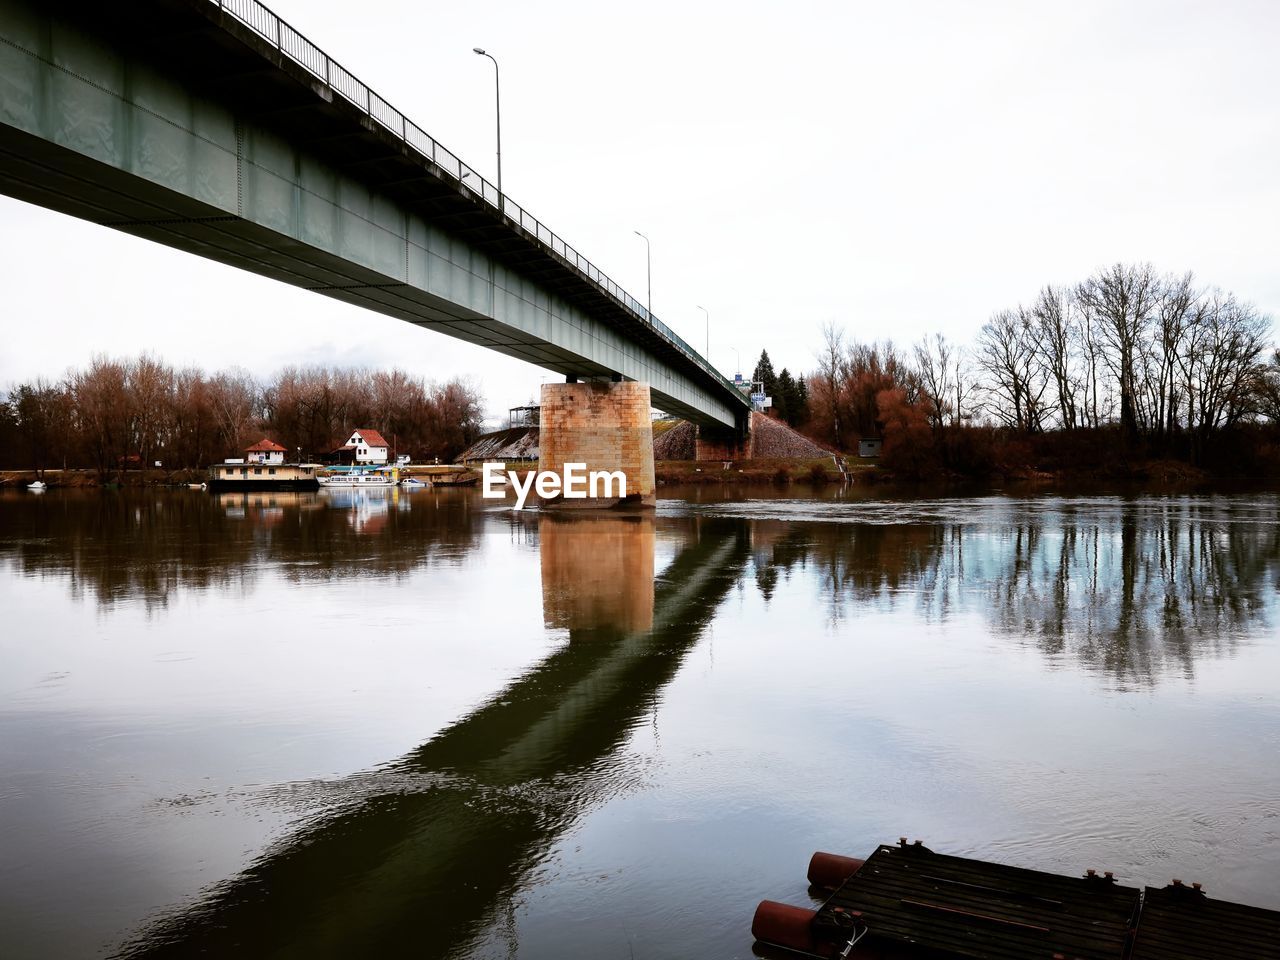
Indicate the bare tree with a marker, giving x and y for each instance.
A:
(1175, 313)
(1016, 380)
(235, 400)
(102, 409)
(1053, 319)
(966, 386)
(1269, 388)
(936, 365)
(42, 414)
(149, 388)
(1121, 299)
(826, 384)
(1222, 365)
(456, 412)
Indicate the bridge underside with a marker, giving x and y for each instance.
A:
(189, 131)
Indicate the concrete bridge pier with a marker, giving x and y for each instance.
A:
(605, 426)
(721, 443)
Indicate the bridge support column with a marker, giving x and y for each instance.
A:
(605, 426)
(721, 443)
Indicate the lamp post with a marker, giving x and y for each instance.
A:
(648, 259)
(708, 313)
(497, 103)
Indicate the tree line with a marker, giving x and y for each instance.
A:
(790, 395)
(118, 414)
(1159, 363)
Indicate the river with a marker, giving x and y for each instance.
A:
(372, 724)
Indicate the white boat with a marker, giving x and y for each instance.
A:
(38, 487)
(357, 479)
(411, 482)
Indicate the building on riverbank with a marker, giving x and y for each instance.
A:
(243, 475)
(265, 451)
(363, 446)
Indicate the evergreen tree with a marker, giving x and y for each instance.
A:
(764, 374)
(786, 397)
(800, 412)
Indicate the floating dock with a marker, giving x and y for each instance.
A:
(906, 901)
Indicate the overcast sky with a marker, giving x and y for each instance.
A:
(898, 168)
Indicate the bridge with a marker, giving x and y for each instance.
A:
(215, 127)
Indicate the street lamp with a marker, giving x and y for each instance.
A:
(497, 102)
(648, 257)
(708, 313)
(737, 354)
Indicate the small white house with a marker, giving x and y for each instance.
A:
(366, 446)
(264, 451)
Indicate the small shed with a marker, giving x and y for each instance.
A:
(869, 447)
(526, 416)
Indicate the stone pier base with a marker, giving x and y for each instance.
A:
(721, 443)
(605, 426)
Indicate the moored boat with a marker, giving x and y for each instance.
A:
(262, 468)
(359, 479)
(38, 487)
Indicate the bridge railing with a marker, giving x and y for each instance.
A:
(315, 61)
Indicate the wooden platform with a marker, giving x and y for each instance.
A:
(1179, 923)
(909, 902)
(940, 906)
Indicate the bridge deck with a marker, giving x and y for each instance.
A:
(128, 141)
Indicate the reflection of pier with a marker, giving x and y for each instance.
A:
(597, 572)
(421, 852)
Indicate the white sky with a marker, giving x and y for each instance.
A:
(898, 168)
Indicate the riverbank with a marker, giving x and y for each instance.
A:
(776, 470)
(18, 479)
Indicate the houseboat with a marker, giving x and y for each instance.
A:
(262, 468)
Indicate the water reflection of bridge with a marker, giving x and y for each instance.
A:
(421, 853)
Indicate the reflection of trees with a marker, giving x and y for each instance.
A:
(868, 564)
(1130, 588)
(148, 545)
(419, 856)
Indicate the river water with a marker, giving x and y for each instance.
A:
(304, 725)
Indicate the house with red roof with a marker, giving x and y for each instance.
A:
(264, 451)
(364, 446)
